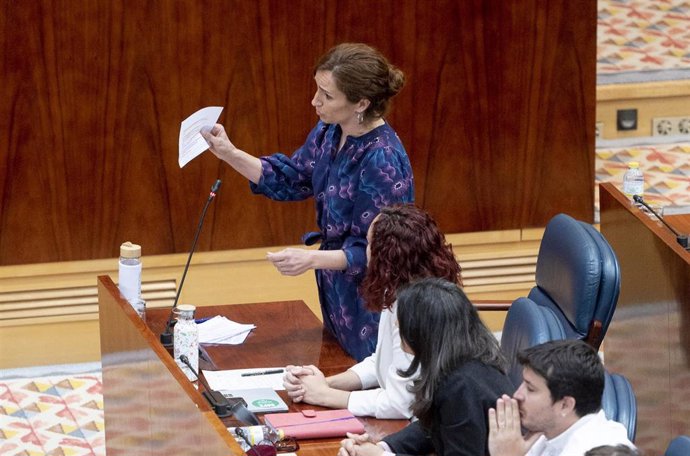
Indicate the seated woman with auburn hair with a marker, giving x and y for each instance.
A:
(404, 244)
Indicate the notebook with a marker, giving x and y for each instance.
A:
(311, 424)
(259, 400)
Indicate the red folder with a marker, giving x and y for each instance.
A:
(311, 424)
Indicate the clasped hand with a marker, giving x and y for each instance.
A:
(304, 384)
(291, 261)
(359, 445)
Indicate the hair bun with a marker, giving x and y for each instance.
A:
(396, 79)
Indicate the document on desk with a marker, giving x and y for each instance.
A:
(192, 143)
(237, 379)
(221, 330)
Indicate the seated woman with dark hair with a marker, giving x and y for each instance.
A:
(404, 243)
(461, 374)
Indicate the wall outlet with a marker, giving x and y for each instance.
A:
(599, 130)
(664, 126)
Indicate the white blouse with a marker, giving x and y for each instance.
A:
(384, 393)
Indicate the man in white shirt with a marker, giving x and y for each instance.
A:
(558, 403)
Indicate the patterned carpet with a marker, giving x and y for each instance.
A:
(638, 40)
(666, 168)
(643, 40)
(56, 416)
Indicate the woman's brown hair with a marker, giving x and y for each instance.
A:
(362, 72)
(406, 244)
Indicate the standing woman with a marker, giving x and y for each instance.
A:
(353, 164)
(404, 243)
(461, 375)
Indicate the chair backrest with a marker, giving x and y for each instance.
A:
(577, 286)
(526, 325)
(619, 403)
(609, 288)
(578, 277)
(680, 446)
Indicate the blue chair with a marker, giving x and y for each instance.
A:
(527, 324)
(609, 288)
(578, 277)
(619, 403)
(680, 446)
(577, 286)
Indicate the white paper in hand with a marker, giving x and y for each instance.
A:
(192, 143)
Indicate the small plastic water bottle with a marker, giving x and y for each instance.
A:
(633, 180)
(129, 271)
(140, 307)
(186, 340)
(257, 434)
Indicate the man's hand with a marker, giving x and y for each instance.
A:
(505, 434)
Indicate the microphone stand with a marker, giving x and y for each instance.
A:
(221, 405)
(682, 239)
(166, 336)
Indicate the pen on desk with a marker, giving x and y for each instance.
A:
(266, 372)
(201, 320)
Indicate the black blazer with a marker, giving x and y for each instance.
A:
(460, 415)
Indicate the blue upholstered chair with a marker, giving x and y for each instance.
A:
(680, 446)
(577, 287)
(609, 288)
(619, 403)
(578, 277)
(527, 324)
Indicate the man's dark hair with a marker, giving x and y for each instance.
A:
(610, 450)
(570, 368)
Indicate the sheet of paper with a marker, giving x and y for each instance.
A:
(192, 143)
(221, 330)
(233, 380)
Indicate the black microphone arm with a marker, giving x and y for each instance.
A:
(682, 239)
(166, 336)
(220, 403)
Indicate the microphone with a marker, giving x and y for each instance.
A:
(682, 239)
(167, 336)
(220, 403)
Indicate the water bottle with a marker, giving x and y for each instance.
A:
(633, 180)
(257, 434)
(186, 340)
(129, 271)
(140, 307)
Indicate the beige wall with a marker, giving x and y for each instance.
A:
(48, 312)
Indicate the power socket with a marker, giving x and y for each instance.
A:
(665, 126)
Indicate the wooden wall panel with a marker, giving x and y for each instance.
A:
(497, 115)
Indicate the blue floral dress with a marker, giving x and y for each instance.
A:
(350, 187)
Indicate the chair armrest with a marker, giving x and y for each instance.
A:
(492, 305)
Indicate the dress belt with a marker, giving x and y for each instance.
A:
(313, 237)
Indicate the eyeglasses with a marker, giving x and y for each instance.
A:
(267, 448)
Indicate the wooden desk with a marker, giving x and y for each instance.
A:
(151, 408)
(648, 340)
